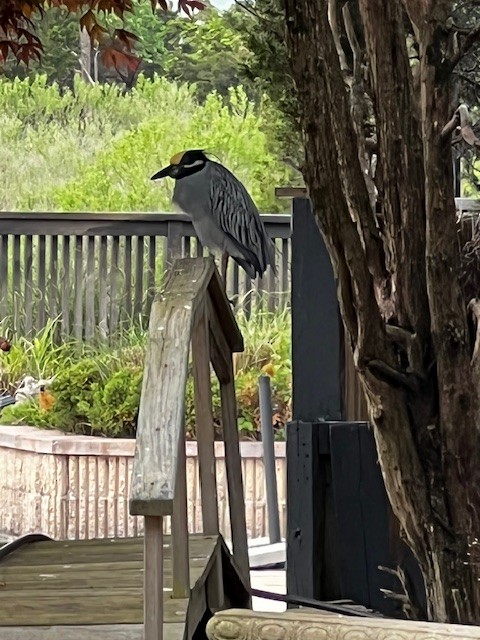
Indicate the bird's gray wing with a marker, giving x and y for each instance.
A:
(237, 215)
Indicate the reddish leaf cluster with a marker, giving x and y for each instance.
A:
(18, 38)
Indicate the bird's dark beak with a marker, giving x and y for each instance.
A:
(163, 173)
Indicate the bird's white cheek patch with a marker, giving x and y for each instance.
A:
(197, 163)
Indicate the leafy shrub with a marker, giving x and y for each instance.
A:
(115, 404)
(97, 390)
(94, 148)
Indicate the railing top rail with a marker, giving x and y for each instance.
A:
(164, 216)
(115, 224)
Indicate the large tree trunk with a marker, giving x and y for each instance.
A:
(398, 286)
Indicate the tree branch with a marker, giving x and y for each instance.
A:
(465, 45)
(334, 176)
(333, 19)
(399, 159)
(474, 309)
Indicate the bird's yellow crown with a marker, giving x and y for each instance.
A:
(177, 158)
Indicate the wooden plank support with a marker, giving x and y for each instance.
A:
(180, 555)
(233, 464)
(153, 578)
(204, 422)
(160, 419)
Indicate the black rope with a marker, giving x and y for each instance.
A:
(314, 604)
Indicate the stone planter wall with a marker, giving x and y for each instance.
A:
(78, 486)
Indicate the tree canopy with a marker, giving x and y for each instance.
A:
(21, 41)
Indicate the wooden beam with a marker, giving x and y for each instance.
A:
(153, 578)
(291, 192)
(204, 422)
(180, 555)
(160, 420)
(220, 352)
(233, 465)
(316, 363)
(224, 313)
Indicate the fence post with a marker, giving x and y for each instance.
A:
(174, 244)
(317, 396)
(265, 398)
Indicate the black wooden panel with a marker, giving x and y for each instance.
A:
(315, 323)
(366, 530)
(310, 569)
(350, 524)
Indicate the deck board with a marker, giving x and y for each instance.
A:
(97, 582)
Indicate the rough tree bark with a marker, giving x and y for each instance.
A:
(397, 265)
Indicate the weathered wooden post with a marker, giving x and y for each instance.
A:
(191, 307)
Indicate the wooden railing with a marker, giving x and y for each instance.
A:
(192, 308)
(99, 271)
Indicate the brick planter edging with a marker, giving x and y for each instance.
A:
(73, 486)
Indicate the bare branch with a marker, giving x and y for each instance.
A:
(390, 374)
(474, 309)
(461, 125)
(333, 19)
(399, 148)
(464, 47)
(248, 8)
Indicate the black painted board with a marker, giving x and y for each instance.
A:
(305, 509)
(316, 364)
(350, 523)
(377, 515)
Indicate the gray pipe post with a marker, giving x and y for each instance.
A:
(265, 398)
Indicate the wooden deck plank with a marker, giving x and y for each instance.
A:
(15, 571)
(86, 579)
(174, 631)
(90, 632)
(82, 606)
(38, 588)
(65, 552)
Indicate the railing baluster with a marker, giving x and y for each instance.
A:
(4, 276)
(152, 254)
(66, 287)
(18, 310)
(53, 278)
(115, 276)
(137, 308)
(284, 271)
(90, 290)
(102, 287)
(41, 283)
(28, 283)
(128, 279)
(78, 290)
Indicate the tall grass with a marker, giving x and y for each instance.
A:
(94, 147)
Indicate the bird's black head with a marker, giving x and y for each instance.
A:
(183, 164)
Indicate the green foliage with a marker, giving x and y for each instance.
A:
(262, 31)
(39, 357)
(97, 389)
(94, 148)
(59, 33)
(115, 404)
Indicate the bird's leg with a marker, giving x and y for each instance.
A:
(224, 266)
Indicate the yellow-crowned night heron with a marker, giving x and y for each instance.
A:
(223, 214)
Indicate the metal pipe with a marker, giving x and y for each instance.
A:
(265, 400)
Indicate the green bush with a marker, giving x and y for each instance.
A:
(94, 147)
(97, 389)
